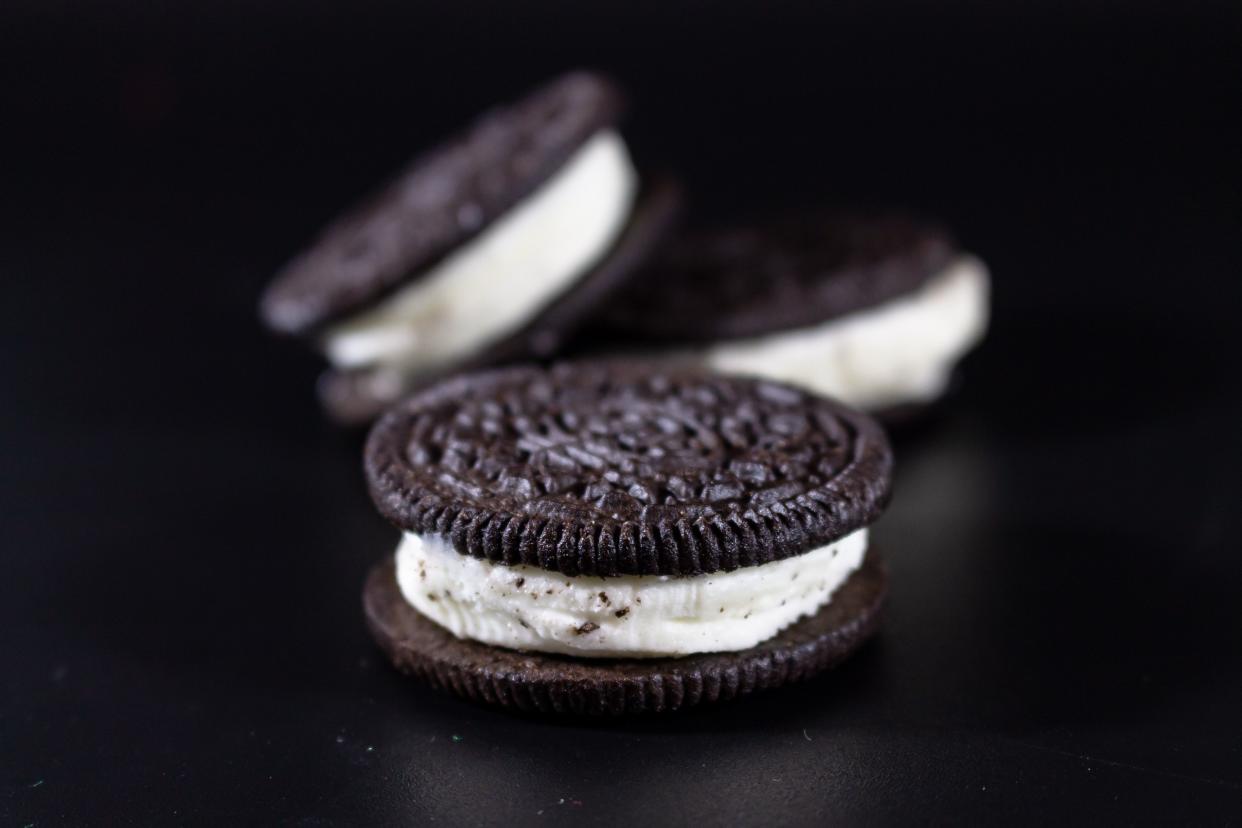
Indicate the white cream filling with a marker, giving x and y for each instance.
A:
(498, 281)
(527, 608)
(897, 352)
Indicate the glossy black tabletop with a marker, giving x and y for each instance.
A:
(184, 538)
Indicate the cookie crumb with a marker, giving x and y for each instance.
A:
(518, 583)
(588, 627)
(621, 613)
(603, 596)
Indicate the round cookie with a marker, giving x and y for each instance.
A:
(619, 536)
(875, 310)
(443, 199)
(791, 273)
(546, 683)
(613, 468)
(494, 247)
(359, 396)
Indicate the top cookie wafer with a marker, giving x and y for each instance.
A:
(618, 468)
(442, 199)
(800, 272)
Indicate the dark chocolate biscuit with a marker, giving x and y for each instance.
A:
(612, 468)
(546, 683)
(788, 274)
(359, 396)
(441, 200)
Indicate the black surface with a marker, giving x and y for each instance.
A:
(184, 540)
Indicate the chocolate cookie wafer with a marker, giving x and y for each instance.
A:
(573, 537)
(875, 310)
(491, 247)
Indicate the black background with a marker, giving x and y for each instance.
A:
(184, 538)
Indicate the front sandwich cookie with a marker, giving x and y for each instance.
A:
(577, 536)
(491, 248)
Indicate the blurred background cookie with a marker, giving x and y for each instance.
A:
(492, 246)
(873, 309)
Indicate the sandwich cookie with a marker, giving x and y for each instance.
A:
(491, 248)
(873, 310)
(612, 537)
